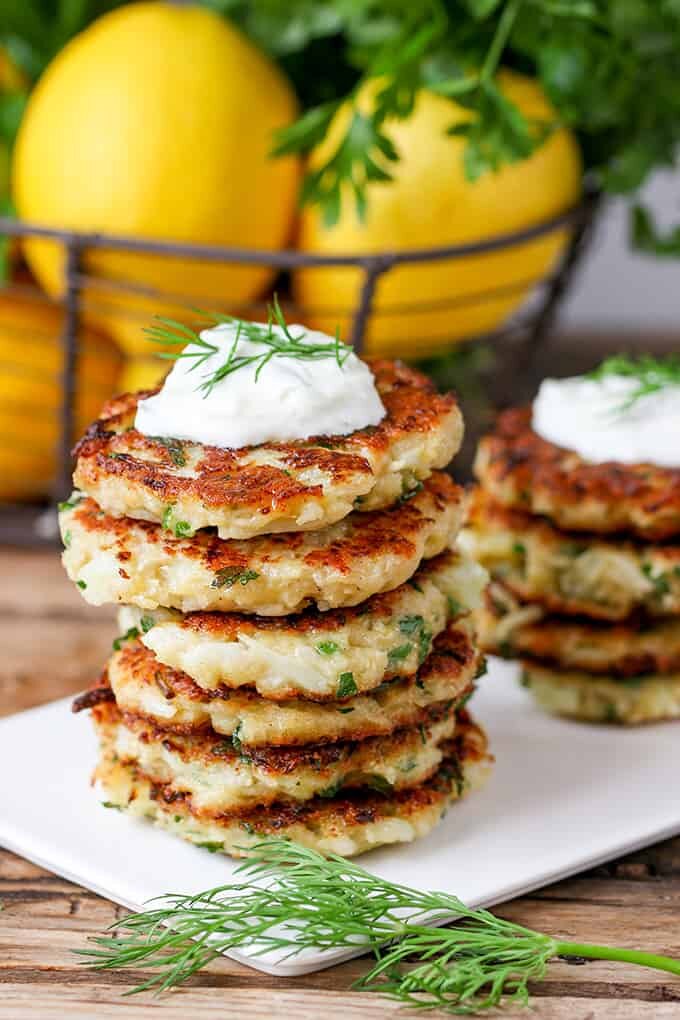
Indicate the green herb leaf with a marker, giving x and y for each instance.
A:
(129, 635)
(652, 375)
(331, 790)
(410, 491)
(379, 783)
(660, 581)
(275, 338)
(482, 668)
(411, 624)
(346, 686)
(69, 504)
(227, 577)
(397, 655)
(166, 519)
(293, 899)
(174, 448)
(236, 738)
(327, 647)
(424, 645)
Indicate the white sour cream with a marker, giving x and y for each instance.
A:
(589, 416)
(292, 398)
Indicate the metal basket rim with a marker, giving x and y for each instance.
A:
(291, 258)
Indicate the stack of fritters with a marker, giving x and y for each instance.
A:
(296, 640)
(585, 566)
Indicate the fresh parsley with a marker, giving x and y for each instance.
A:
(327, 647)
(397, 655)
(346, 686)
(69, 504)
(174, 448)
(130, 634)
(227, 577)
(183, 529)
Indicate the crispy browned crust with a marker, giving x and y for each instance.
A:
(453, 656)
(225, 478)
(521, 470)
(202, 749)
(353, 807)
(637, 647)
(376, 534)
(99, 694)
(486, 515)
(453, 652)
(229, 625)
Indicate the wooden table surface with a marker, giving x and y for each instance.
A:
(52, 644)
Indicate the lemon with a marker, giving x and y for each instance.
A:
(157, 121)
(141, 374)
(30, 390)
(421, 309)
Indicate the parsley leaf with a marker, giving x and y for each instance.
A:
(129, 635)
(346, 686)
(327, 647)
(227, 577)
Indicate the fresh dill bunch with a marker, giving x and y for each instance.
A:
(275, 344)
(293, 899)
(651, 374)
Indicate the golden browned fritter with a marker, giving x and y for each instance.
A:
(574, 573)
(321, 656)
(143, 686)
(510, 628)
(276, 487)
(598, 697)
(119, 559)
(347, 824)
(220, 776)
(520, 469)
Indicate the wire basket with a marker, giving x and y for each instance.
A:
(30, 522)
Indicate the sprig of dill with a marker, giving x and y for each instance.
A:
(294, 899)
(283, 344)
(651, 374)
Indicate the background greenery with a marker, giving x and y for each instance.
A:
(610, 67)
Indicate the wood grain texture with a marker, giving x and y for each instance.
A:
(52, 644)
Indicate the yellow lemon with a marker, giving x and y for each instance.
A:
(142, 374)
(421, 309)
(30, 390)
(157, 121)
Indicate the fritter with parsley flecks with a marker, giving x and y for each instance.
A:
(142, 686)
(119, 559)
(348, 824)
(321, 656)
(276, 487)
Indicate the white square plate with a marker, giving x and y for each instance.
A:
(563, 797)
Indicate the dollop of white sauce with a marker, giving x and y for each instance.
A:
(292, 398)
(591, 417)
